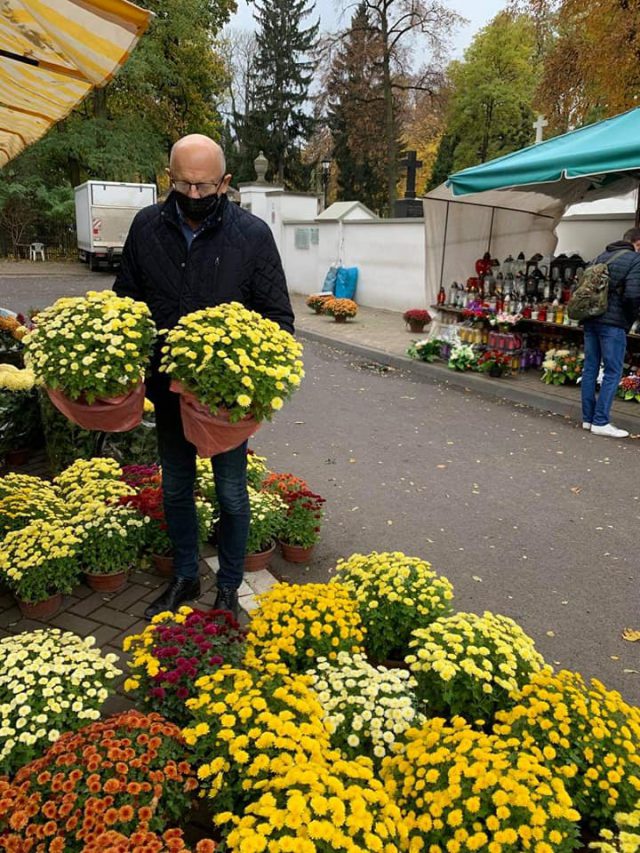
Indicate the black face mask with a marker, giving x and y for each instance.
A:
(198, 209)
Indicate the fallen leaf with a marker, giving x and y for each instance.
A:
(476, 578)
(389, 522)
(614, 657)
(298, 422)
(551, 633)
(629, 671)
(631, 635)
(352, 460)
(576, 489)
(441, 466)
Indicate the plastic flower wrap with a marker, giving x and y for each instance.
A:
(427, 350)
(298, 623)
(460, 789)
(319, 806)
(231, 358)
(50, 682)
(395, 594)
(462, 357)
(561, 366)
(366, 708)
(469, 664)
(40, 559)
(244, 723)
(120, 774)
(629, 388)
(93, 346)
(172, 653)
(111, 537)
(626, 838)
(267, 518)
(587, 734)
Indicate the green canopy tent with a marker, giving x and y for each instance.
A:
(514, 203)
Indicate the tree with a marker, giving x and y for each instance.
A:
(279, 122)
(355, 110)
(397, 25)
(239, 49)
(491, 106)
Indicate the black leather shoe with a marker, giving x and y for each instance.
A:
(178, 591)
(227, 599)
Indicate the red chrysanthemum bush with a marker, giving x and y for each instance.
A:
(122, 774)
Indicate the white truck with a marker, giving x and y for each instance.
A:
(104, 213)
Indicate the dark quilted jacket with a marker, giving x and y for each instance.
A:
(233, 259)
(624, 289)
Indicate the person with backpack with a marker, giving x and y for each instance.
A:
(605, 334)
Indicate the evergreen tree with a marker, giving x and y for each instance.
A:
(355, 112)
(279, 123)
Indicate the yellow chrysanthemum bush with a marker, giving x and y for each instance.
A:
(626, 838)
(367, 708)
(395, 594)
(589, 735)
(461, 789)
(243, 722)
(12, 482)
(469, 665)
(318, 807)
(295, 624)
(40, 559)
(90, 480)
(93, 346)
(232, 358)
(29, 503)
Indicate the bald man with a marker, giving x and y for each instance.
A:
(193, 251)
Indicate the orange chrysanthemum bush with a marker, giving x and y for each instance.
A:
(125, 774)
(585, 733)
(145, 841)
(461, 789)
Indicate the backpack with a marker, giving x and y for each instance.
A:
(591, 297)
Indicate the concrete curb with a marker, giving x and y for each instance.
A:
(475, 382)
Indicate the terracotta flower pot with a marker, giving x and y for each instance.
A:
(416, 326)
(296, 553)
(106, 582)
(259, 560)
(340, 318)
(17, 458)
(41, 609)
(163, 564)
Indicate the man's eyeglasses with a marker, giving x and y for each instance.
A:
(203, 189)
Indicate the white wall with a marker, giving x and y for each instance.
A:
(389, 255)
(588, 237)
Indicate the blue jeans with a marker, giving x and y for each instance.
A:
(607, 344)
(178, 460)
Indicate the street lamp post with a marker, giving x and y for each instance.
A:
(326, 171)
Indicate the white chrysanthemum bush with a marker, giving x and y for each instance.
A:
(50, 682)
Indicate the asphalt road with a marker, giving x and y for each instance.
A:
(526, 514)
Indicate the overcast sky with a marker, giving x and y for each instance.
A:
(478, 13)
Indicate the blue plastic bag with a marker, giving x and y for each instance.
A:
(346, 283)
(330, 280)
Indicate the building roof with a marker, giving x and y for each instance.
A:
(346, 209)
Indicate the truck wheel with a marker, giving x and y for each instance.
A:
(92, 262)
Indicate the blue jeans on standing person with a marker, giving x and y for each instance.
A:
(178, 460)
(606, 344)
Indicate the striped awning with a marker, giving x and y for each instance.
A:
(52, 53)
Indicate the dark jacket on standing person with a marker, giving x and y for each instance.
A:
(624, 286)
(232, 258)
